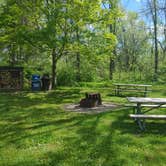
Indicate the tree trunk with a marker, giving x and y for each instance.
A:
(12, 56)
(54, 69)
(156, 43)
(78, 78)
(112, 30)
(112, 64)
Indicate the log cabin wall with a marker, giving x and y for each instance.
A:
(11, 78)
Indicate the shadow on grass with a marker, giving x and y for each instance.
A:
(28, 99)
(21, 118)
(127, 125)
(164, 93)
(90, 147)
(126, 95)
(86, 139)
(18, 106)
(94, 146)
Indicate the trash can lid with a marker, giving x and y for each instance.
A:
(35, 77)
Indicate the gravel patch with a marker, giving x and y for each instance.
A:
(105, 107)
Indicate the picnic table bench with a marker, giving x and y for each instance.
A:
(142, 102)
(138, 88)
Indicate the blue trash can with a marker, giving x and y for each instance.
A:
(36, 83)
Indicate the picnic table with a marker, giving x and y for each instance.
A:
(142, 102)
(141, 88)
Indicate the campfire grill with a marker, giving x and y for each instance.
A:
(91, 100)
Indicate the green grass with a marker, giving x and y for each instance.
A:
(36, 130)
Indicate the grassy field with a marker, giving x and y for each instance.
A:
(36, 130)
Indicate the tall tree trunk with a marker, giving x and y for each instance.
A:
(78, 78)
(164, 50)
(54, 69)
(112, 30)
(78, 61)
(156, 43)
(111, 68)
(12, 55)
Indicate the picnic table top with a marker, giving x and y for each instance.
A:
(146, 100)
(141, 85)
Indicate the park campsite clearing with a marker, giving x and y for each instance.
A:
(35, 129)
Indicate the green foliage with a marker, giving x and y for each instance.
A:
(38, 34)
(162, 75)
(66, 75)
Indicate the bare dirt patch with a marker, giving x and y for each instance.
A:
(101, 108)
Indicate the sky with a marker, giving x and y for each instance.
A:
(136, 5)
(132, 5)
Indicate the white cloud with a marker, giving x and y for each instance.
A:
(138, 0)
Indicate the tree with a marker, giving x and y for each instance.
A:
(133, 37)
(113, 7)
(83, 15)
(15, 20)
(152, 10)
(49, 30)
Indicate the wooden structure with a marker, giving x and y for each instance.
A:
(132, 88)
(150, 103)
(91, 100)
(11, 78)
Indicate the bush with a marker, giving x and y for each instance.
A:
(162, 74)
(65, 76)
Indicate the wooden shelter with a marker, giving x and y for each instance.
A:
(11, 78)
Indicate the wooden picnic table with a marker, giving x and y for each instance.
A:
(150, 103)
(119, 87)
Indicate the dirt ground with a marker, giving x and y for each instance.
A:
(102, 108)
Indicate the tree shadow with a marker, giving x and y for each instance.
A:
(164, 93)
(127, 125)
(91, 146)
(26, 99)
(92, 142)
(23, 119)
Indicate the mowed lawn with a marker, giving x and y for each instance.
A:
(36, 130)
